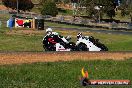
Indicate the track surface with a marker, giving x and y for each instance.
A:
(31, 57)
(118, 32)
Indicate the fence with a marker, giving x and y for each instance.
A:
(88, 23)
(4, 12)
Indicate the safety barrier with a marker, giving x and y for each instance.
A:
(129, 28)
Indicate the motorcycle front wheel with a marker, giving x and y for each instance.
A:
(82, 47)
(72, 46)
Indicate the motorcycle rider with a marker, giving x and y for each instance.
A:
(79, 35)
(49, 32)
(91, 38)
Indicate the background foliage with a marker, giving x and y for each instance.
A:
(23, 4)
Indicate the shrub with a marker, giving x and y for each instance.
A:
(49, 8)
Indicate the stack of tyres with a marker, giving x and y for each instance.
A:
(39, 23)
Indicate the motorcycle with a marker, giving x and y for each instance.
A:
(84, 43)
(89, 43)
(55, 43)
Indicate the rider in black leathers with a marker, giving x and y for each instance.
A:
(51, 38)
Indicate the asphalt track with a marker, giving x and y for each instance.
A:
(119, 32)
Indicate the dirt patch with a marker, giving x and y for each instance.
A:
(2, 7)
(31, 57)
(25, 32)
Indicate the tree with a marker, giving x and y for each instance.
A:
(49, 8)
(23, 4)
(106, 7)
(126, 8)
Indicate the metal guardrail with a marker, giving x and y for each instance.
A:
(85, 22)
(113, 27)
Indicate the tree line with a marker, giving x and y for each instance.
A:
(108, 7)
(22, 4)
(48, 7)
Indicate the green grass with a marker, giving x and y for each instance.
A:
(4, 17)
(20, 41)
(60, 25)
(116, 42)
(66, 12)
(62, 74)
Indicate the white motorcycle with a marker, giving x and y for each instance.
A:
(86, 43)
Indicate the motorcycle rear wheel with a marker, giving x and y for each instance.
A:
(48, 48)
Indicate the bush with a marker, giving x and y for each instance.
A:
(49, 8)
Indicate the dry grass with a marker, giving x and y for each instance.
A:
(22, 57)
(25, 32)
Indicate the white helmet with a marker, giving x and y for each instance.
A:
(48, 30)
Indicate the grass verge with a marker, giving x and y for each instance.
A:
(31, 40)
(63, 74)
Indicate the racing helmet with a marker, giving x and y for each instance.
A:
(48, 30)
(79, 35)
